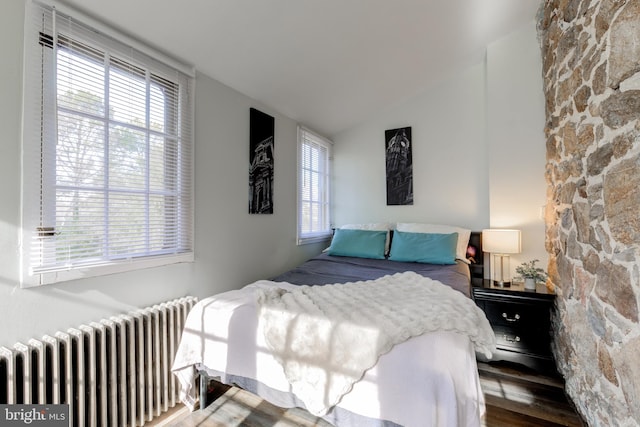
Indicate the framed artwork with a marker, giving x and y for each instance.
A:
(261, 143)
(399, 166)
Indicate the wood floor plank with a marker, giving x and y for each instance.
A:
(509, 370)
(238, 407)
(500, 417)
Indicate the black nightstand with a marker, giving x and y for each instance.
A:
(521, 320)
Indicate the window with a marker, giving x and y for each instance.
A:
(314, 187)
(107, 154)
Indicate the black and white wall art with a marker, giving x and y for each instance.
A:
(399, 166)
(261, 144)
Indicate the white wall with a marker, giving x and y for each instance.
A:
(517, 146)
(233, 248)
(478, 150)
(449, 159)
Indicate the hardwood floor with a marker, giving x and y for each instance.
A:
(515, 397)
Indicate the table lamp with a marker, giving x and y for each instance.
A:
(500, 243)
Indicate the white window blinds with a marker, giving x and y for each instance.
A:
(107, 163)
(314, 191)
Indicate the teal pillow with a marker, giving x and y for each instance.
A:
(358, 243)
(426, 248)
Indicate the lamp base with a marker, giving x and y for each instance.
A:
(501, 271)
(501, 284)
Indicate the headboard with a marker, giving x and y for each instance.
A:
(477, 267)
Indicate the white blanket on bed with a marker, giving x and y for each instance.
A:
(327, 337)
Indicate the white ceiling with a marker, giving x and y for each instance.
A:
(328, 64)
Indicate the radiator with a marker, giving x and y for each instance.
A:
(115, 372)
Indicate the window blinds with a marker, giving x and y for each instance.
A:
(314, 222)
(107, 152)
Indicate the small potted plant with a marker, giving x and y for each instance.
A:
(531, 274)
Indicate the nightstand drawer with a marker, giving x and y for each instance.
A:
(524, 341)
(516, 315)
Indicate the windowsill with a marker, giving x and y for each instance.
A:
(48, 278)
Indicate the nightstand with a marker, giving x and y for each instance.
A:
(521, 320)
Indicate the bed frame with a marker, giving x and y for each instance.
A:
(477, 268)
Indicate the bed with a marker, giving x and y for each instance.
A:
(365, 334)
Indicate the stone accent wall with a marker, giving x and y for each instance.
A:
(591, 71)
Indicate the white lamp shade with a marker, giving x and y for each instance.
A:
(501, 241)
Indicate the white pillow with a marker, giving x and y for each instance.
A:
(375, 226)
(463, 234)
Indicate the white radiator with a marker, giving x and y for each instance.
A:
(116, 372)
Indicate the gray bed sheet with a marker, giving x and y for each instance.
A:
(326, 269)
